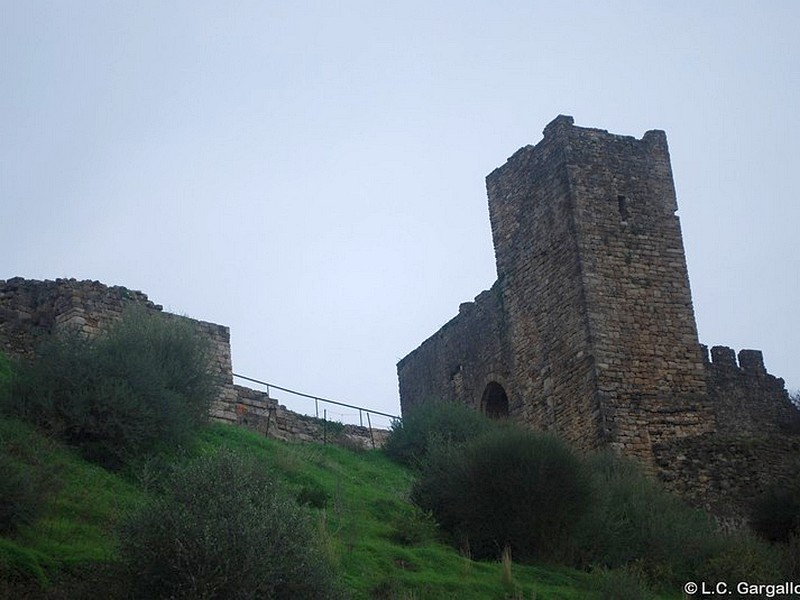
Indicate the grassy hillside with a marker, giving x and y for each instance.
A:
(80, 503)
(382, 545)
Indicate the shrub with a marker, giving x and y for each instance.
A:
(635, 523)
(313, 494)
(776, 513)
(221, 528)
(508, 487)
(410, 528)
(791, 557)
(143, 385)
(432, 423)
(742, 557)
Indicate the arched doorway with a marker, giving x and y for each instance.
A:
(495, 401)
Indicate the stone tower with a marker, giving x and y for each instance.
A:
(591, 265)
(589, 330)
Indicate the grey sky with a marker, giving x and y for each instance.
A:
(311, 173)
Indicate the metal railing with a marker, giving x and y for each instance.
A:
(317, 399)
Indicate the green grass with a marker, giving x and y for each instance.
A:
(82, 503)
(366, 513)
(381, 544)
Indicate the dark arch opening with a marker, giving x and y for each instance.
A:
(495, 401)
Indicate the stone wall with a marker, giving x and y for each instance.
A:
(553, 371)
(638, 304)
(257, 411)
(590, 331)
(459, 361)
(589, 328)
(30, 309)
(724, 473)
(745, 398)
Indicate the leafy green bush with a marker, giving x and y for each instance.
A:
(508, 487)
(143, 385)
(634, 521)
(431, 424)
(791, 557)
(410, 528)
(742, 557)
(776, 514)
(313, 494)
(221, 528)
(635, 524)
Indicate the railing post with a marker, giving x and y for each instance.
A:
(360, 418)
(371, 437)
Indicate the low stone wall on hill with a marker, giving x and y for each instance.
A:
(30, 309)
(257, 411)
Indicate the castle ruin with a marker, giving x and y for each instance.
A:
(589, 330)
(31, 310)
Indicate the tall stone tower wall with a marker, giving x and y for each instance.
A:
(647, 357)
(589, 330)
(532, 213)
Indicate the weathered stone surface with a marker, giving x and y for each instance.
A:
(589, 330)
(30, 309)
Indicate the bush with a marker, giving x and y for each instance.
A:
(145, 384)
(410, 528)
(633, 521)
(791, 557)
(776, 514)
(430, 424)
(221, 528)
(507, 488)
(742, 557)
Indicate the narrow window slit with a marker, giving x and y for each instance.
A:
(622, 204)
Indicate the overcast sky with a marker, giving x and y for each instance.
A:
(311, 174)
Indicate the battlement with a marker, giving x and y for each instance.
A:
(750, 361)
(744, 396)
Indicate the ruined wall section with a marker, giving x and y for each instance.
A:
(30, 309)
(458, 361)
(746, 399)
(255, 410)
(725, 473)
(754, 444)
(650, 374)
(538, 264)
